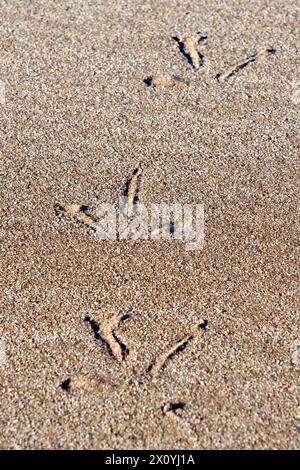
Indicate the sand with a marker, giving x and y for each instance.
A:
(79, 115)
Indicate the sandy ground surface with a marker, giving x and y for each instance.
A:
(76, 120)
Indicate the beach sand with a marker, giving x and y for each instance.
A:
(77, 118)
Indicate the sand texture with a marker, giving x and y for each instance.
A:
(133, 344)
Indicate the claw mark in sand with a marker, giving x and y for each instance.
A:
(173, 408)
(160, 362)
(165, 81)
(77, 212)
(107, 335)
(223, 77)
(188, 47)
(86, 383)
(184, 430)
(130, 201)
(131, 192)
